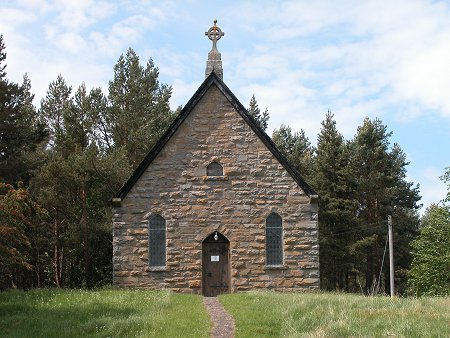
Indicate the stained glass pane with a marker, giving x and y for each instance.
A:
(274, 240)
(157, 241)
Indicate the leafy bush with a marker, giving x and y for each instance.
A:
(431, 255)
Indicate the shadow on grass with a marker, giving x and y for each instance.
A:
(104, 313)
(50, 314)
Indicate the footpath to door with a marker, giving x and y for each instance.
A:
(223, 323)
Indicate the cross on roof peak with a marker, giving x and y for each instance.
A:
(214, 63)
(214, 34)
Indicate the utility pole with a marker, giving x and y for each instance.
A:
(391, 256)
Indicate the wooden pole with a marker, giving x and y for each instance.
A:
(391, 256)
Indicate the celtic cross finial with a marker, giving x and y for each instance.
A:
(214, 63)
(214, 34)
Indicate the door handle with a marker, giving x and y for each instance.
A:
(208, 274)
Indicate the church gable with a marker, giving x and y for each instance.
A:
(213, 83)
(213, 134)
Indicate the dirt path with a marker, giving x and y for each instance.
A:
(223, 323)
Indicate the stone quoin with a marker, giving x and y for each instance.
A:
(214, 207)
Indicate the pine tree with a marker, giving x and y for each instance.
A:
(254, 111)
(333, 181)
(61, 183)
(20, 130)
(139, 107)
(54, 182)
(91, 145)
(296, 148)
(56, 104)
(74, 184)
(382, 190)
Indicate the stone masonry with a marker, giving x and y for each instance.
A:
(194, 205)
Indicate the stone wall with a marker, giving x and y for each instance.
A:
(194, 205)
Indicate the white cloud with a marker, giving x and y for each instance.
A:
(77, 15)
(50, 31)
(182, 92)
(176, 66)
(13, 16)
(356, 58)
(132, 26)
(122, 34)
(11, 20)
(425, 76)
(71, 42)
(287, 20)
(79, 39)
(42, 6)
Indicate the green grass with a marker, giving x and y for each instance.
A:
(137, 313)
(270, 314)
(102, 313)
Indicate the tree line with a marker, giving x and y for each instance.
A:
(61, 163)
(360, 183)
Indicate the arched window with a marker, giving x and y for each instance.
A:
(274, 240)
(157, 241)
(214, 169)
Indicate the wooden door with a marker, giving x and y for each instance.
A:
(216, 268)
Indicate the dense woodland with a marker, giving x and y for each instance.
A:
(61, 163)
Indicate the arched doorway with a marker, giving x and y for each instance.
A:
(215, 265)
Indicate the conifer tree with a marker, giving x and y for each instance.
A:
(296, 148)
(333, 181)
(382, 190)
(54, 183)
(20, 130)
(139, 107)
(91, 146)
(254, 111)
(73, 183)
(94, 141)
(54, 107)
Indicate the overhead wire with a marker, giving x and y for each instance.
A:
(355, 229)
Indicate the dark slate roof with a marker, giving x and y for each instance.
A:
(212, 79)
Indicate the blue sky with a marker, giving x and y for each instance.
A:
(385, 59)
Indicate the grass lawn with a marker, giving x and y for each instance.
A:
(138, 313)
(101, 313)
(270, 314)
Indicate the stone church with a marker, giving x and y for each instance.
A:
(214, 207)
